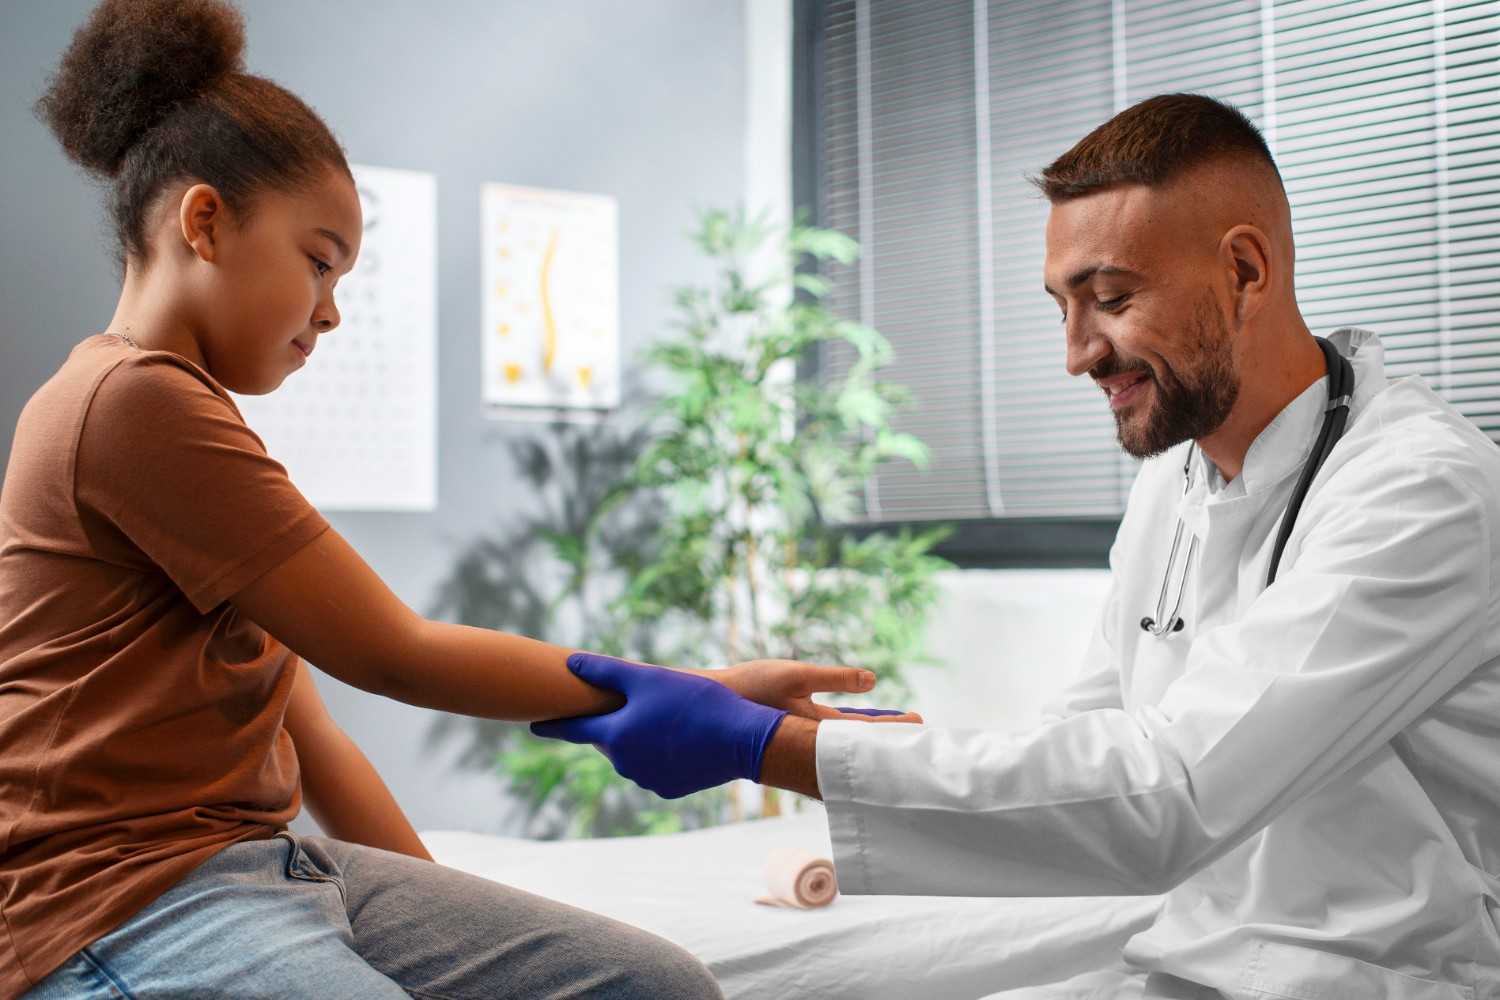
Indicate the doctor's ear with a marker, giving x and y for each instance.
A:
(203, 218)
(1245, 252)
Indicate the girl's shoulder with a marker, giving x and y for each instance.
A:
(105, 357)
(128, 383)
(114, 411)
(109, 412)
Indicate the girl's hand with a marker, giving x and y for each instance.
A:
(790, 685)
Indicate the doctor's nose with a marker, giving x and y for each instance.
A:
(1085, 350)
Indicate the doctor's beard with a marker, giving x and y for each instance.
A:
(1193, 397)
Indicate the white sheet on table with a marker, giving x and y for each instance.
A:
(698, 889)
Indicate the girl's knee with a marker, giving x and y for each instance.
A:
(665, 971)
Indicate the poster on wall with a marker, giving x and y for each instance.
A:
(550, 329)
(356, 426)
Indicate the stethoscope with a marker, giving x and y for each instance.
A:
(1335, 415)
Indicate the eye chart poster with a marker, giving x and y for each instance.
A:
(550, 289)
(356, 426)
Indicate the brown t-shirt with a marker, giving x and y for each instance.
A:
(140, 714)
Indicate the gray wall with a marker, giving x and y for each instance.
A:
(642, 100)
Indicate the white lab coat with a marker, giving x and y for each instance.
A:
(1310, 771)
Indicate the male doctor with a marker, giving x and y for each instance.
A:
(1310, 770)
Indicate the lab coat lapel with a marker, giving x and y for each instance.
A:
(1234, 525)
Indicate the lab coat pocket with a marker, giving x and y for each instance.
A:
(1282, 971)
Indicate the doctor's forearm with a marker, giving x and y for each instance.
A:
(791, 759)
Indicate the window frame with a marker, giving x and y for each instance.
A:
(976, 543)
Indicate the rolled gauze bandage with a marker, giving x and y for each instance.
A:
(799, 878)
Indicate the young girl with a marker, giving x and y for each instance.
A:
(163, 584)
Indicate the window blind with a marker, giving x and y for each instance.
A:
(1383, 115)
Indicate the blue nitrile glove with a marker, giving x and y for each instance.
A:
(677, 733)
(872, 711)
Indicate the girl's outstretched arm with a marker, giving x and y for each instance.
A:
(340, 786)
(329, 607)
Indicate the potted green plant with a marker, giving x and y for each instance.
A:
(727, 538)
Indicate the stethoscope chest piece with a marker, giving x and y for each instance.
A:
(1165, 622)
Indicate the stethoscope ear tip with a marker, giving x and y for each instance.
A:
(1148, 624)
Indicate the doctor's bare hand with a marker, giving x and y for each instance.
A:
(790, 685)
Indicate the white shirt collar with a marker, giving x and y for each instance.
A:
(1281, 448)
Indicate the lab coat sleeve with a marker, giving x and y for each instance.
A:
(1386, 607)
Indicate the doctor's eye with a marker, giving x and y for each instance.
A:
(1110, 305)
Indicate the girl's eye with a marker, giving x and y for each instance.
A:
(322, 267)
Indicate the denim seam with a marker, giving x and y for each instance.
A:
(311, 875)
(425, 995)
(101, 967)
(310, 872)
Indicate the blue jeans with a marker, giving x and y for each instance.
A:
(294, 917)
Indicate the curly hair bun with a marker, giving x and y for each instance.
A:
(130, 64)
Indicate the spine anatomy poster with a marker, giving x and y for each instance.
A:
(356, 426)
(550, 299)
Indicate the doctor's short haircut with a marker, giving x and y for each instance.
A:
(1153, 142)
(153, 92)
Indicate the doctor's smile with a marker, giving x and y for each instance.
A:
(1122, 390)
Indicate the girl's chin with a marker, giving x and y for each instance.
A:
(263, 383)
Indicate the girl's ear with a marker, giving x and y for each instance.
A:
(202, 218)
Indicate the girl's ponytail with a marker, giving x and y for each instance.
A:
(154, 91)
(131, 63)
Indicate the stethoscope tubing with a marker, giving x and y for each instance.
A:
(1335, 417)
